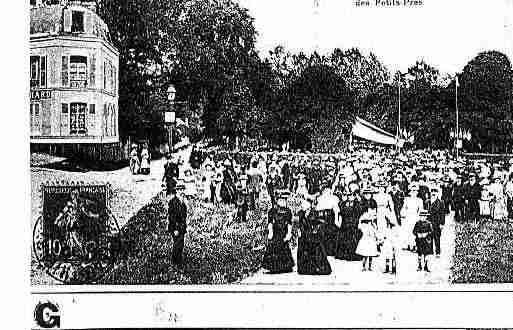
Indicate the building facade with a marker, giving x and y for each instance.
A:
(73, 77)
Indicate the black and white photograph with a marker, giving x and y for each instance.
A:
(258, 142)
(270, 145)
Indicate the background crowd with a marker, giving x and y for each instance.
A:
(352, 206)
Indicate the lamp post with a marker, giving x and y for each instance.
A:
(170, 115)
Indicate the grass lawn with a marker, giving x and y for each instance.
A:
(217, 249)
(484, 252)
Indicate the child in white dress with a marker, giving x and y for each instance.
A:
(368, 244)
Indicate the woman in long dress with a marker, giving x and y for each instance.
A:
(207, 177)
(385, 211)
(302, 186)
(134, 160)
(278, 256)
(145, 160)
(327, 211)
(499, 207)
(311, 253)
(410, 214)
(350, 212)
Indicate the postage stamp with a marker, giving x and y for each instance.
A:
(77, 238)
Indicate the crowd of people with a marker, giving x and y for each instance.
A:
(354, 206)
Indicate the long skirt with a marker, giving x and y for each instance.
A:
(349, 236)
(311, 257)
(407, 237)
(500, 210)
(278, 257)
(331, 238)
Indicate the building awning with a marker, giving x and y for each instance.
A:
(365, 130)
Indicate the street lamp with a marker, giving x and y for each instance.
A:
(170, 115)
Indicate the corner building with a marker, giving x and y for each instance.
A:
(73, 81)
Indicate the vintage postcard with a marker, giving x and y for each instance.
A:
(197, 148)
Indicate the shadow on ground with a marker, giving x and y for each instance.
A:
(217, 250)
(83, 166)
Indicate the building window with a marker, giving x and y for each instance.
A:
(77, 21)
(77, 119)
(34, 71)
(35, 109)
(37, 71)
(78, 71)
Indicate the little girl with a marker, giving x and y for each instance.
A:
(390, 247)
(368, 244)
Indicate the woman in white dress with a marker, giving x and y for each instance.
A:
(145, 160)
(499, 208)
(207, 194)
(410, 214)
(385, 210)
(302, 188)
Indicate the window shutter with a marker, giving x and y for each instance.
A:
(105, 75)
(65, 119)
(111, 120)
(65, 74)
(115, 80)
(91, 120)
(31, 119)
(92, 71)
(105, 116)
(43, 71)
(115, 115)
(67, 20)
(88, 28)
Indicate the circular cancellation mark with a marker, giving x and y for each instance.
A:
(77, 238)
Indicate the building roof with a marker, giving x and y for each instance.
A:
(51, 19)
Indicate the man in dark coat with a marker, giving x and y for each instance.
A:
(171, 170)
(472, 196)
(446, 193)
(398, 199)
(177, 221)
(458, 199)
(437, 217)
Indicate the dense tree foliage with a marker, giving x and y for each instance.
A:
(206, 48)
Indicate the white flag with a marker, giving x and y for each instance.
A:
(457, 82)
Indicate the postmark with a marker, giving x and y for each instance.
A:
(76, 239)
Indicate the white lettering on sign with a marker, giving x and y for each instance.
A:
(40, 95)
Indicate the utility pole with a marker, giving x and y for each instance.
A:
(316, 4)
(457, 121)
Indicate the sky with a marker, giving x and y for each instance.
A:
(445, 33)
